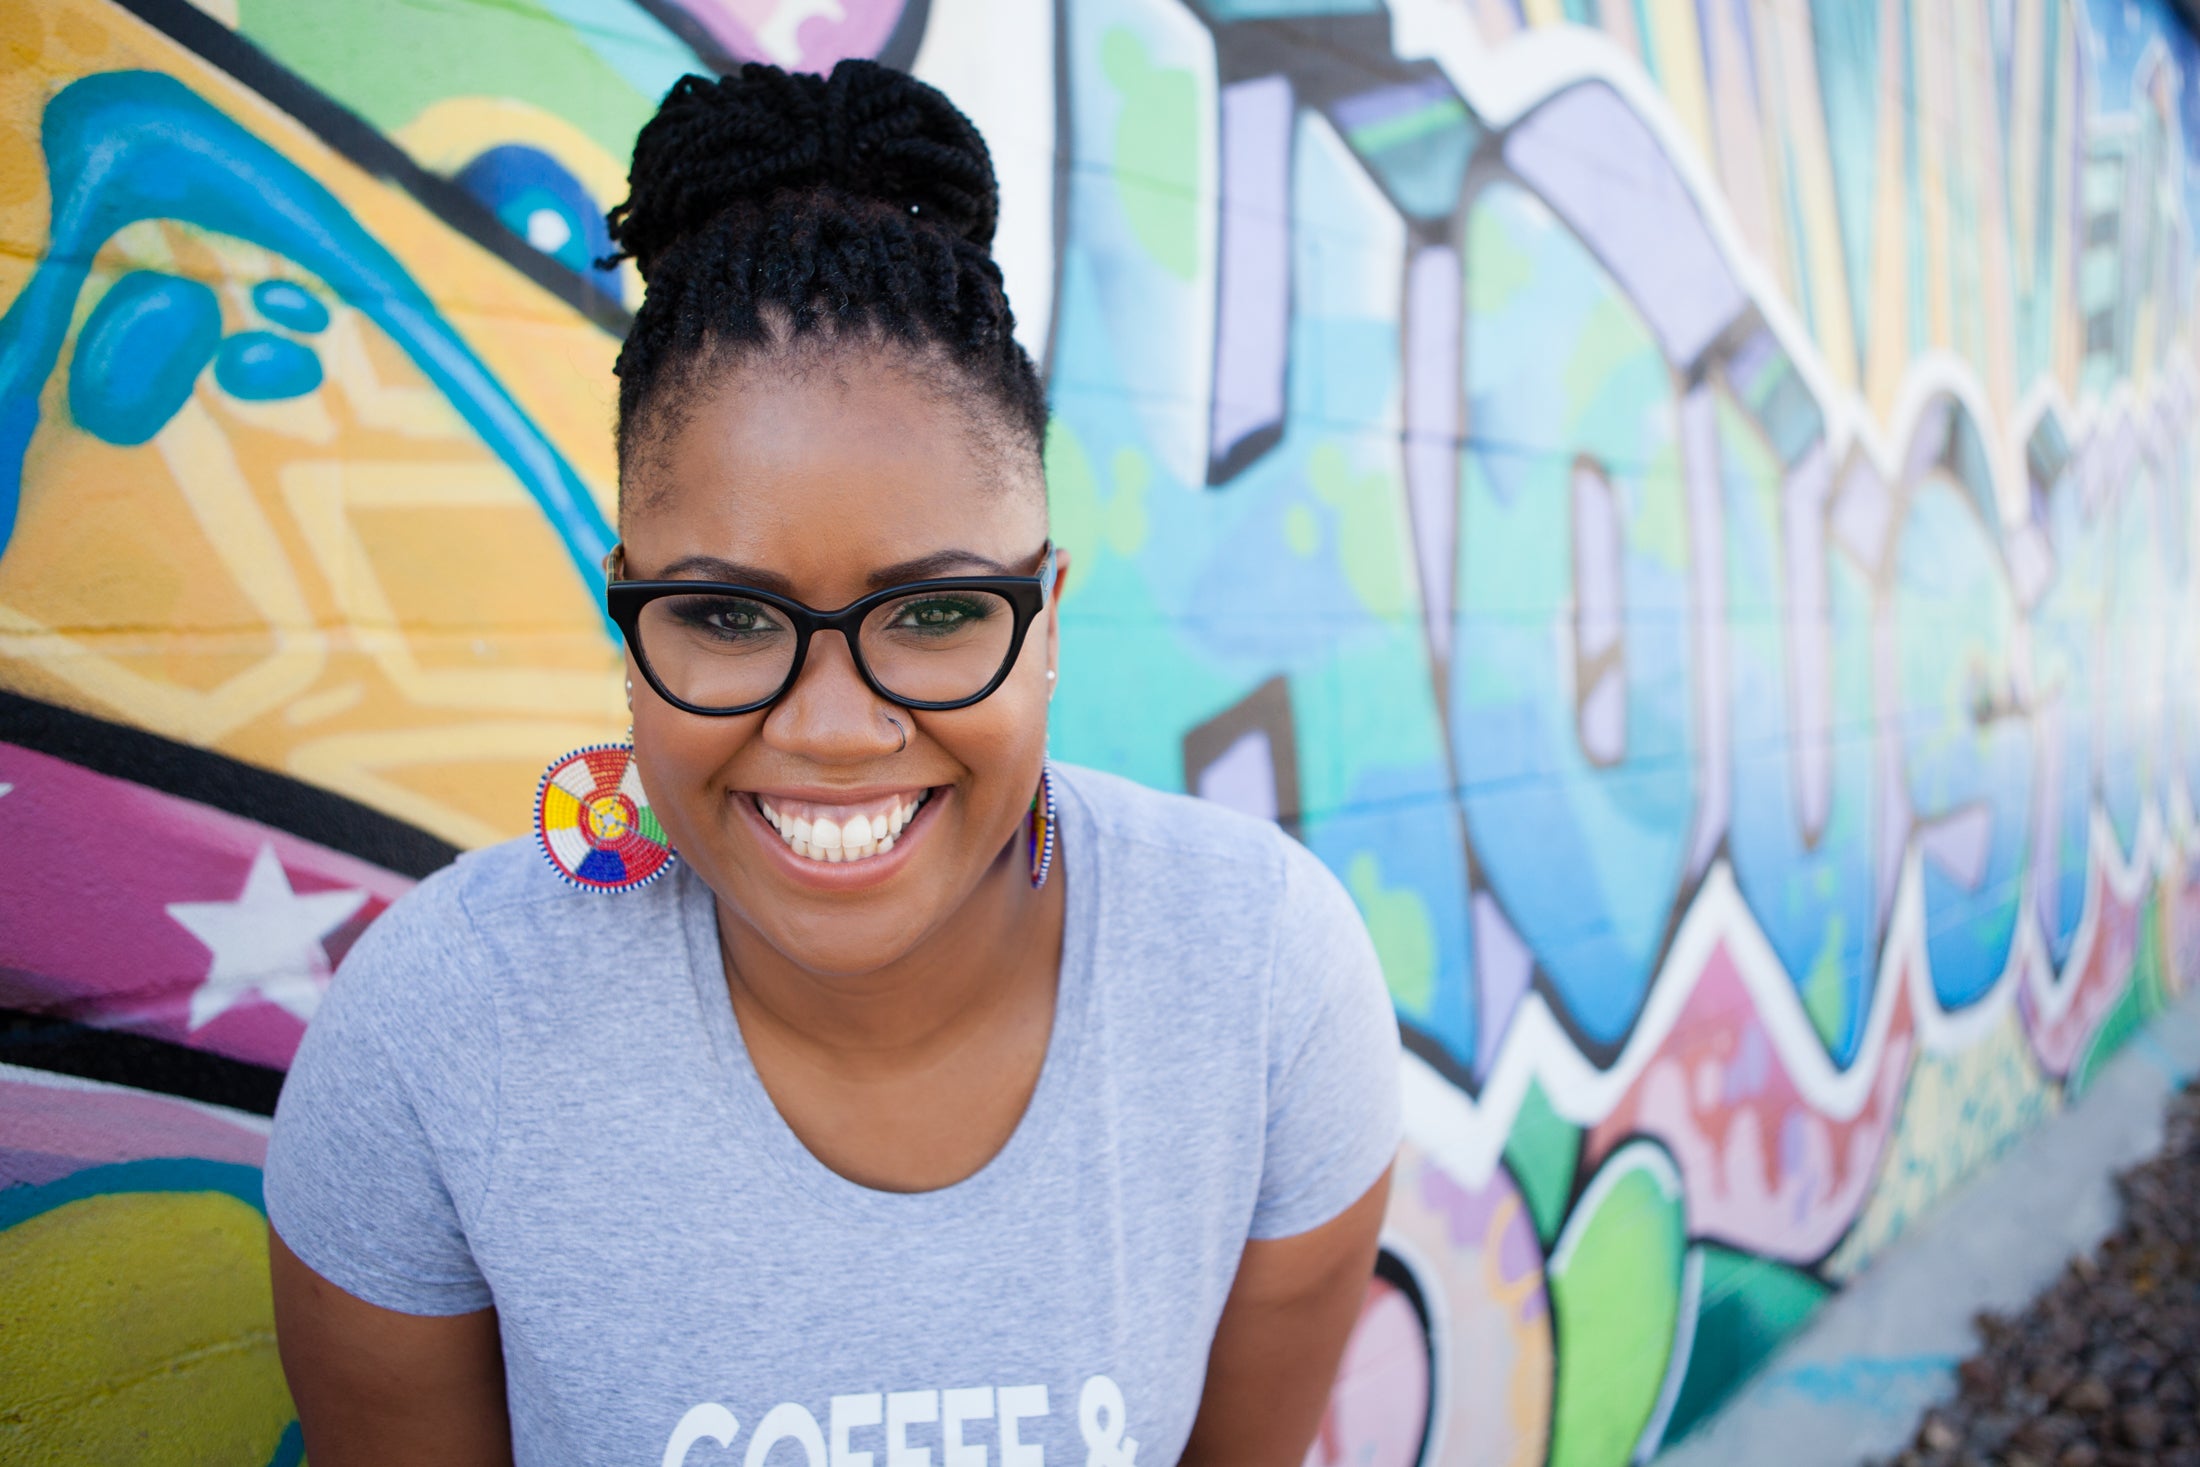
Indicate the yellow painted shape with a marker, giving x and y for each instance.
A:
(1804, 118)
(1739, 138)
(136, 1327)
(560, 811)
(1932, 118)
(1678, 47)
(453, 131)
(1887, 344)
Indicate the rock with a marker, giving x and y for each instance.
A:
(2142, 1426)
(2090, 1395)
(2103, 1368)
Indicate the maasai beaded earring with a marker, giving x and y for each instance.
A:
(1042, 829)
(593, 822)
(592, 816)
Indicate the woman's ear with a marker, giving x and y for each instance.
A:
(1054, 608)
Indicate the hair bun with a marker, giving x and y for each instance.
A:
(866, 130)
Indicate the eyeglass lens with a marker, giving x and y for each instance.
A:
(718, 651)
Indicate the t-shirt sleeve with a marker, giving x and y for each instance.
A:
(381, 1146)
(1333, 1084)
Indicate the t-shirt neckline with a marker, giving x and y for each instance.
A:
(749, 1105)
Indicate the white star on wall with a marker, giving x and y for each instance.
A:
(268, 939)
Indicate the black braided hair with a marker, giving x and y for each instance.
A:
(770, 206)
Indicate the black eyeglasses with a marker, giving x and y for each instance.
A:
(719, 649)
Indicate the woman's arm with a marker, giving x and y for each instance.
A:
(374, 1386)
(1282, 1333)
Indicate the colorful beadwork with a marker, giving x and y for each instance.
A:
(1042, 829)
(593, 821)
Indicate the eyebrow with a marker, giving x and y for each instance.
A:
(921, 568)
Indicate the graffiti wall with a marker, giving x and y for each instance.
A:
(1686, 507)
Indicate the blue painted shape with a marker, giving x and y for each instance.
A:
(139, 353)
(158, 1174)
(1585, 855)
(530, 191)
(260, 366)
(290, 1448)
(290, 305)
(1811, 890)
(2066, 661)
(602, 866)
(126, 146)
(1965, 753)
(2136, 619)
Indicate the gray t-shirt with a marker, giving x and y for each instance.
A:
(522, 1095)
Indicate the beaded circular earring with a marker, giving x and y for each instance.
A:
(593, 821)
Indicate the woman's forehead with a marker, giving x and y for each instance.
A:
(859, 439)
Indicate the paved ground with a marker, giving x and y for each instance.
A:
(1855, 1384)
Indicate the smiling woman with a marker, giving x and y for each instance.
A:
(937, 1098)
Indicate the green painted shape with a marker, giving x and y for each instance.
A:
(1825, 993)
(2143, 997)
(1123, 517)
(1405, 937)
(158, 1174)
(1848, 86)
(1746, 1307)
(1439, 116)
(1073, 501)
(389, 60)
(1544, 1151)
(1372, 539)
(1615, 1286)
(650, 829)
(1156, 170)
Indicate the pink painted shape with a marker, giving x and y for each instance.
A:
(49, 1130)
(2059, 1042)
(1763, 1168)
(1378, 1409)
(801, 35)
(93, 864)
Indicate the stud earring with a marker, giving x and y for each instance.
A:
(1042, 829)
(593, 821)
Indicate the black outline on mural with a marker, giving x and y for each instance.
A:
(35, 1041)
(204, 777)
(350, 135)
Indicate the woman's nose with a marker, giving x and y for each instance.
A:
(831, 714)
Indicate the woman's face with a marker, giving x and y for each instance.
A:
(824, 483)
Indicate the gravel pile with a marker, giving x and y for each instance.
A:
(2103, 1369)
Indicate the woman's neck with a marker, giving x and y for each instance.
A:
(986, 961)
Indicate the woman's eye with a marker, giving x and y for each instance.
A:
(728, 618)
(937, 615)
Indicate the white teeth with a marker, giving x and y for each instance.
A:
(834, 842)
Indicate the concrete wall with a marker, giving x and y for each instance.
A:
(1687, 507)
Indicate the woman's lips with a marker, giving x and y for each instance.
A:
(834, 834)
(876, 860)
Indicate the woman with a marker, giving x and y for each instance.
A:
(899, 1124)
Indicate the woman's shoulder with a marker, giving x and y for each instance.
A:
(490, 909)
(1124, 811)
(1200, 852)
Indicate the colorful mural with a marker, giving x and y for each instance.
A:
(1737, 458)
